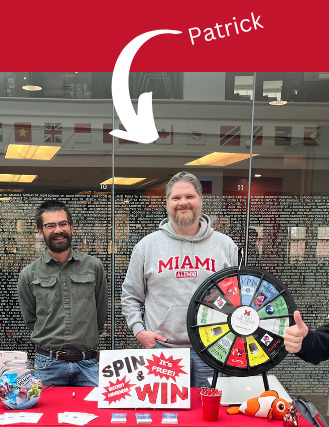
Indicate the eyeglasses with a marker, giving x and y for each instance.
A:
(53, 225)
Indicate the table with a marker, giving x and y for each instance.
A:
(59, 399)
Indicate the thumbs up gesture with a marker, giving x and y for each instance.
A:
(294, 335)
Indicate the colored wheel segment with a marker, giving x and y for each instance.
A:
(237, 318)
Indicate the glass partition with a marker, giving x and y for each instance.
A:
(289, 208)
(199, 131)
(263, 169)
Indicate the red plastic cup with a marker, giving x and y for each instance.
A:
(210, 406)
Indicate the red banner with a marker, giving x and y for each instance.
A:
(215, 36)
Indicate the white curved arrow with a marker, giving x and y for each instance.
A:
(139, 127)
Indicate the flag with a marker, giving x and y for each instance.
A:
(311, 135)
(107, 128)
(125, 141)
(196, 136)
(206, 187)
(258, 135)
(283, 135)
(230, 135)
(53, 132)
(82, 133)
(1, 133)
(23, 132)
(166, 136)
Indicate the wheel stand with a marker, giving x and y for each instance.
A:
(264, 375)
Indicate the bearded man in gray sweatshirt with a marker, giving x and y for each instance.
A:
(166, 268)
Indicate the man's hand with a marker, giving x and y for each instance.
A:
(149, 339)
(294, 335)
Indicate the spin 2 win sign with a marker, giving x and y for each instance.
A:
(155, 378)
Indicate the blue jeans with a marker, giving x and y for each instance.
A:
(200, 371)
(81, 373)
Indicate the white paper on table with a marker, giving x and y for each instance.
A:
(77, 418)
(20, 417)
(10, 418)
(94, 395)
(30, 417)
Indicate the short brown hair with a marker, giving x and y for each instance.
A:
(187, 177)
(51, 206)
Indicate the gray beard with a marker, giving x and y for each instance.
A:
(185, 221)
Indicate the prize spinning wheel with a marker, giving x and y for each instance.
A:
(237, 318)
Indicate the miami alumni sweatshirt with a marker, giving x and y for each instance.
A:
(165, 270)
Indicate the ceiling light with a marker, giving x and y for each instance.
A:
(11, 190)
(257, 175)
(123, 181)
(31, 87)
(219, 159)
(11, 177)
(278, 102)
(31, 152)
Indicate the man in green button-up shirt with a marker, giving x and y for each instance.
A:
(63, 299)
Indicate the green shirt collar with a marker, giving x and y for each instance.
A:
(46, 257)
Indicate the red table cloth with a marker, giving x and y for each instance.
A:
(59, 399)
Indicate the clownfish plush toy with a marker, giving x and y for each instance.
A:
(268, 405)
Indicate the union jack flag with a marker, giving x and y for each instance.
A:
(53, 132)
